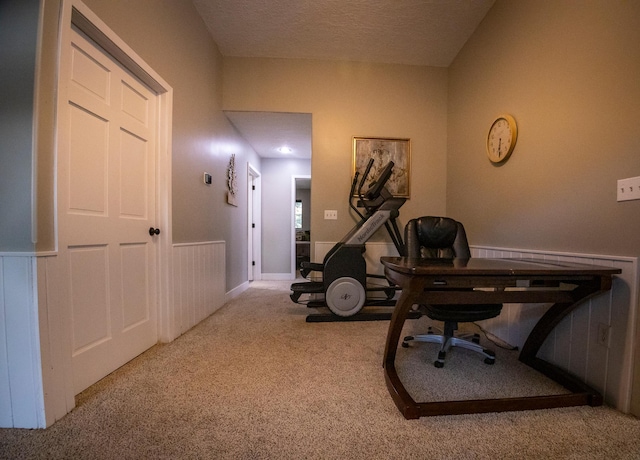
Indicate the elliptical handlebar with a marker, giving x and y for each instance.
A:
(354, 183)
(365, 175)
(377, 193)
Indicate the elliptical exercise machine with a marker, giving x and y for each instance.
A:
(344, 277)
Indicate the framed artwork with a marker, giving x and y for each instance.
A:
(382, 151)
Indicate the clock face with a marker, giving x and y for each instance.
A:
(501, 138)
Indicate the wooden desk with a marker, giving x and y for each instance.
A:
(470, 281)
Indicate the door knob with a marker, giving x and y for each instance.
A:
(154, 231)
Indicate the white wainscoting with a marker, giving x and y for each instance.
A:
(573, 344)
(34, 348)
(199, 282)
(21, 393)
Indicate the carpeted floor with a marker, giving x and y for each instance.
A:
(255, 381)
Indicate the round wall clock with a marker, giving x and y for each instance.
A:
(502, 138)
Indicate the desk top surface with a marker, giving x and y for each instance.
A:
(479, 266)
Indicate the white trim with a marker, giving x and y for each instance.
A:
(85, 20)
(236, 291)
(554, 253)
(197, 243)
(18, 254)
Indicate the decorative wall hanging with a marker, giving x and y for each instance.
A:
(232, 183)
(382, 151)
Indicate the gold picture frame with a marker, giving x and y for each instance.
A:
(383, 150)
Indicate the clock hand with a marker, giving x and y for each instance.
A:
(499, 146)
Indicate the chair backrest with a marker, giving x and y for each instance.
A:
(436, 237)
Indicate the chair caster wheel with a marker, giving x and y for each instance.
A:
(438, 364)
(405, 345)
(489, 360)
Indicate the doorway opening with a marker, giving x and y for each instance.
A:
(300, 223)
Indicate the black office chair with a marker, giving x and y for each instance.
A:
(445, 238)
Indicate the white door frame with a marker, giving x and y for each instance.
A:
(293, 223)
(254, 224)
(77, 13)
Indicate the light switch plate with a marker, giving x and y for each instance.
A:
(330, 214)
(629, 189)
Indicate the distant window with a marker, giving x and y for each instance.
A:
(298, 214)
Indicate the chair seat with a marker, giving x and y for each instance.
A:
(463, 313)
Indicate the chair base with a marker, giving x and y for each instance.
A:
(447, 341)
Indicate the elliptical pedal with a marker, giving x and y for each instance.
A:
(308, 287)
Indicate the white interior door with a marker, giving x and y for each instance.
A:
(254, 220)
(106, 206)
(251, 224)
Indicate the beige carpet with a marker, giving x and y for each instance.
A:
(255, 381)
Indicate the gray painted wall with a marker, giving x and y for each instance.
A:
(18, 44)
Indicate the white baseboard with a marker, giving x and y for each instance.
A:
(236, 291)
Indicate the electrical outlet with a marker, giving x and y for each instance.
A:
(629, 189)
(330, 214)
(603, 335)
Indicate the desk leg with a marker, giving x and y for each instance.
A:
(554, 316)
(408, 298)
(543, 328)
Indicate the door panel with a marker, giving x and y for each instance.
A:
(88, 74)
(87, 162)
(106, 196)
(89, 297)
(134, 169)
(135, 280)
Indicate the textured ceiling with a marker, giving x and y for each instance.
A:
(419, 32)
(414, 32)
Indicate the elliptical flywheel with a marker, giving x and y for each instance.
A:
(345, 296)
